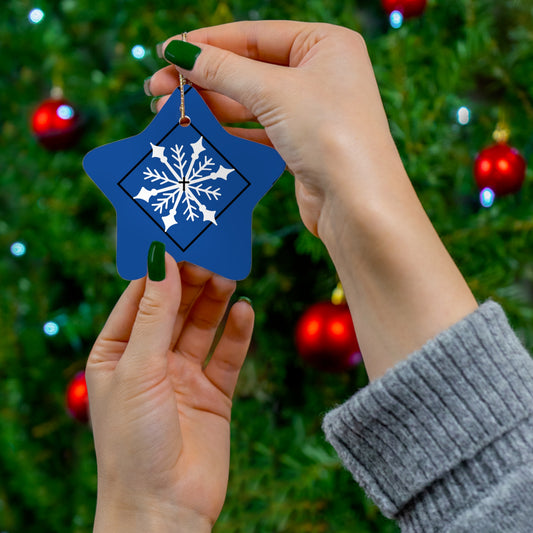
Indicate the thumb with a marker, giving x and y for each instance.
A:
(240, 78)
(152, 330)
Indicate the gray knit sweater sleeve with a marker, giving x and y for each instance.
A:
(443, 442)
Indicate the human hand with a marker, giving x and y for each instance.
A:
(312, 88)
(160, 417)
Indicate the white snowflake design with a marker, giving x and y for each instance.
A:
(185, 187)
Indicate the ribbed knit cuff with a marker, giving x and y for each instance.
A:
(444, 413)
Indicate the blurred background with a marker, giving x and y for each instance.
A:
(451, 74)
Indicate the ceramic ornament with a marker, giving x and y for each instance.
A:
(191, 187)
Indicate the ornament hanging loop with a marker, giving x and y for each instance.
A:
(501, 133)
(184, 119)
(337, 296)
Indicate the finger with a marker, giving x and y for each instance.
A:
(118, 326)
(157, 103)
(193, 280)
(268, 41)
(152, 331)
(239, 78)
(162, 82)
(252, 134)
(225, 364)
(110, 344)
(204, 318)
(225, 109)
(166, 80)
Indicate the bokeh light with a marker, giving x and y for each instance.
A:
(18, 249)
(463, 115)
(138, 51)
(396, 19)
(65, 111)
(51, 328)
(486, 197)
(36, 15)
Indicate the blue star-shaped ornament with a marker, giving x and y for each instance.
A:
(192, 187)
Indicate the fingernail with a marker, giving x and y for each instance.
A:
(159, 49)
(244, 299)
(182, 53)
(153, 105)
(156, 261)
(146, 86)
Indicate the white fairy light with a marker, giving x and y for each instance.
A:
(487, 197)
(65, 111)
(51, 328)
(18, 249)
(396, 19)
(463, 115)
(138, 51)
(36, 15)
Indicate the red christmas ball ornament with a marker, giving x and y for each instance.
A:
(325, 337)
(77, 399)
(501, 168)
(56, 124)
(408, 8)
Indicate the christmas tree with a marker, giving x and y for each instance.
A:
(448, 77)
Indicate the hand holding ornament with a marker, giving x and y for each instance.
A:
(312, 88)
(161, 417)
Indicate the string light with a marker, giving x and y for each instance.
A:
(463, 115)
(138, 51)
(18, 249)
(487, 197)
(65, 111)
(51, 328)
(396, 19)
(36, 15)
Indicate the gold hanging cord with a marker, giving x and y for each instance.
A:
(184, 119)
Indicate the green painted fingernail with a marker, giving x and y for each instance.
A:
(153, 104)
(156, 261)
(245, 299)
(182, 53)
(146, 86)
